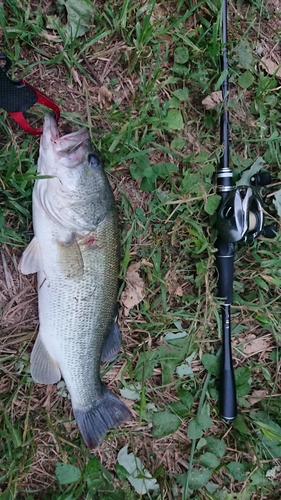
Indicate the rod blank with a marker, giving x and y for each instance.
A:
(225, 250)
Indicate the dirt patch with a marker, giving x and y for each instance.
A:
(18, 299)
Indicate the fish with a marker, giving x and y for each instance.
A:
(75, 252)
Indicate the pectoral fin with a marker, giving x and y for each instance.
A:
(44, 369)
(31, 260)
(71, 260)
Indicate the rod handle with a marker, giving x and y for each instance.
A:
(227, 393)
(225, 269)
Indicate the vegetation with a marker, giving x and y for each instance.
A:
(143, 76)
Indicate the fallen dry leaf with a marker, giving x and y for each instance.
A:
(173, 286)
(133, 293)
(255, 346)
(212, 100)
(271, 67)
(105, 97)
(159, 12)
(257, 396)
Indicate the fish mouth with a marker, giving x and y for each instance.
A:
(69, 143)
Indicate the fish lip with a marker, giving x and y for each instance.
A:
(50, 128)
(73, 141)
(68, 143)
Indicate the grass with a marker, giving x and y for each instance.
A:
(160, 146)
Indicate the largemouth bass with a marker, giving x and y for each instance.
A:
(76, 254)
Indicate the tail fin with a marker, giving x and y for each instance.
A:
(106, 413)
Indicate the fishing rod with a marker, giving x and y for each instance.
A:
(240, 219)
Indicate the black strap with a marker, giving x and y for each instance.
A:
(14, 95)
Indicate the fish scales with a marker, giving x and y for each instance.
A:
(77, 309)
(76, 253)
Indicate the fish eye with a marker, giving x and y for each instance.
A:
(94, 161)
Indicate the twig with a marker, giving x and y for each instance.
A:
(91, 71)
(8, 276)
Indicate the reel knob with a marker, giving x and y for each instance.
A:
(261, 179)
(269, 231)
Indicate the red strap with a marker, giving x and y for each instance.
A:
(41, 99)
(19, 118)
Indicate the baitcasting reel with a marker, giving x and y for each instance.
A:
(240, 217)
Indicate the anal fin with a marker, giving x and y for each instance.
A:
(44, 369)
(112, 344)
